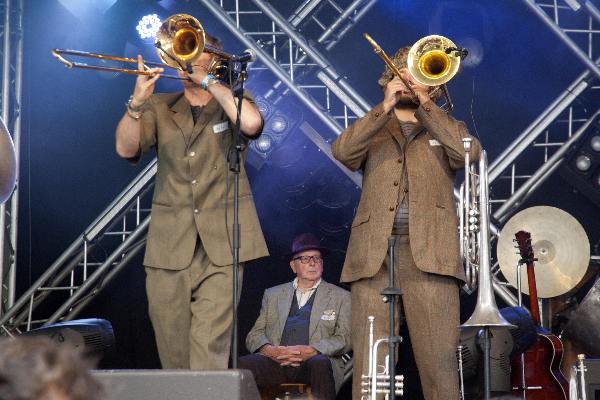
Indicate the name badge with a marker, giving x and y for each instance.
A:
(220, 127)
(433, 142)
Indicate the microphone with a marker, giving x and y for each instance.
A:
(461, 52)
(246, 57)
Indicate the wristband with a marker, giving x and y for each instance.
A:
(134, 112)
(207, 81)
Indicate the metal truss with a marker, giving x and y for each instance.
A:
(547, 139)
(90, 262)
(12, 70)
(292, 50)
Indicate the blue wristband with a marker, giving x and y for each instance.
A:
(207, 79)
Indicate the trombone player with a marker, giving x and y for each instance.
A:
(408, 149)
(188, 252)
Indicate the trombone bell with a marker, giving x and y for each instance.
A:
(432, 60)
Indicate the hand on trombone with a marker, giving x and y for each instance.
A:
(144, 84)
(396, 92)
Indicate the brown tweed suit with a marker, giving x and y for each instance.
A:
(188, 251)
(429, 262)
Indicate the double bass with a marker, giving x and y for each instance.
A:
(536, 375)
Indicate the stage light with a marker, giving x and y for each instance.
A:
(279, 124)
(595, 143)
(581, 168)
(95, 336)
(264, 143)
(583, 162)
(148, 26)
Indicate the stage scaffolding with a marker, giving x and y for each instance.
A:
(294, 50)
(12, 71)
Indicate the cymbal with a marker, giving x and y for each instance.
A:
(559, 243)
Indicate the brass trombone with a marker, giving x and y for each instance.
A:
(432, 61)
(180, 41)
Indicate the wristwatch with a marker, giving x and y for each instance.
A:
(207, 81)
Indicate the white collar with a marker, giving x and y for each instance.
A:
(295, 284)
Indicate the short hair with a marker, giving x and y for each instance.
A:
(213, 41)
(32, 367)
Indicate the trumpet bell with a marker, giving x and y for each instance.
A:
(430, 62)
(180, 40)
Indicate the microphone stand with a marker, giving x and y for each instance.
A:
(234, 158)
(391, 294)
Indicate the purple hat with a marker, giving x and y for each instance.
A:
(306, 241)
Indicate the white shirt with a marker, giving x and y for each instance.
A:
(303, 295)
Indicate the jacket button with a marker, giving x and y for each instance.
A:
(376, 114)
(392, 208)
(194, 182)
(396, 183)
(192, 153)
(399, 161)
(195, 211)
(427, 109)
(405, 190)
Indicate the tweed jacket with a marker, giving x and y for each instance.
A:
(329, 328)
(376, 145)
(194, 187)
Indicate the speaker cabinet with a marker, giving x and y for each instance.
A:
(178, 385)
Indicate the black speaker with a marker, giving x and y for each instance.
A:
(234, 384)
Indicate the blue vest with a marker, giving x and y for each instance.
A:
(297, 325)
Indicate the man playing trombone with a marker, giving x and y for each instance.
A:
(408, 149)
(188, 252)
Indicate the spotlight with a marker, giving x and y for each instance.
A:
(279, 124)
(264, 143)
(148, 26)
(581, 168)
(583, 162)
(595, 143)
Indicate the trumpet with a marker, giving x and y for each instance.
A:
(374, 382)
(432, 61)
(180, 41)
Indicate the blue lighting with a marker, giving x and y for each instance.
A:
(148, 26)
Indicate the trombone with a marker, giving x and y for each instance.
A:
(180, 41)
(432, 61)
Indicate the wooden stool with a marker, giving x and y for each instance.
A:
(288, 391)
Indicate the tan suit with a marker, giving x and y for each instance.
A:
(188, 252)
(191, 183)
(376, 144)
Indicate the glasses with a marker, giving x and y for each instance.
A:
(308, 259)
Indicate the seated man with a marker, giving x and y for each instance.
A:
(303, 328)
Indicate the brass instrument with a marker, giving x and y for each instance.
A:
(432, 61)
(378, 382)
(477, 248)
(180, 41)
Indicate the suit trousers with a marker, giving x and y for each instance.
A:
(316, 371)
(432, 310)
(191, 312)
